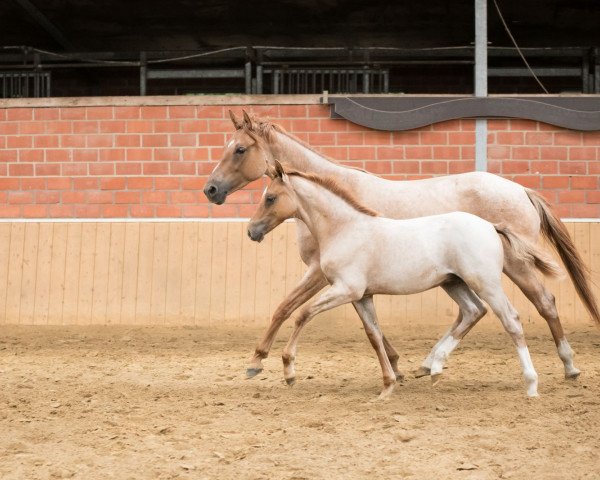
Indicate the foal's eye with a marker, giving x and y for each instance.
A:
(270, 199)
(240, 149)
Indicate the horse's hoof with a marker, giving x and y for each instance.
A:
(399, 377)
(290, 381)
(573, 374)
(533, 394)
(435, 378)
(422, 372)
(253, 372)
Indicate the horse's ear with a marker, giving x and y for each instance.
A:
(236, 122)
(279, 173)
(247, 120)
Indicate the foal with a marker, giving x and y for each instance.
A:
(362, 254)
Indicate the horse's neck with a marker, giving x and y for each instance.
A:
(301, 158)
(323, 212)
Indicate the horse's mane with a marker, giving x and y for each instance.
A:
(336, 188)
(267, 129)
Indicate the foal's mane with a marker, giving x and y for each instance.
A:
(336, 188)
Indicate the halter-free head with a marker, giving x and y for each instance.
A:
(244, 160)
(277, 205)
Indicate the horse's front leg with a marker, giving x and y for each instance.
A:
(338, 294)
(312, 281)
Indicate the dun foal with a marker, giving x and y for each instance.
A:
(362, 254)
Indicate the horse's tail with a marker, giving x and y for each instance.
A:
(526, 252)
(556, 233)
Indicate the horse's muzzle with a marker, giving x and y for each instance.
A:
(214, 193)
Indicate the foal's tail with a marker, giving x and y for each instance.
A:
(555, 231)
(526, 252)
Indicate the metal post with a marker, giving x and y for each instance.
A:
(143, 73)
(259, 79)
(248, 75)
(481, 82)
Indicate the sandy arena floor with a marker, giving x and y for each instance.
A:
(146, 403)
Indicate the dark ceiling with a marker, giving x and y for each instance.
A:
(117, 25)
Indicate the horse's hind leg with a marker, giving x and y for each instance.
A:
(471, 311)
(543, 301)
(509, 317)
(366, 311)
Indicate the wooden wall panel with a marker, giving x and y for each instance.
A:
(200, 273)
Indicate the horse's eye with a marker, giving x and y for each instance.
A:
(240, 149)
(270, 199)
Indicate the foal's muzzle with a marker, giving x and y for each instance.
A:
(214, 193)
(256, 233)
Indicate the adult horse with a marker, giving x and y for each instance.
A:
(254, 146)
(363, 254)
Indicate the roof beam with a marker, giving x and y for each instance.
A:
(46, 24)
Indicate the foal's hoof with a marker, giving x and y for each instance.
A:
(253, 372)
(572, 374)
(422, 372)
(435, 378)
(399, 377)
(290, 381)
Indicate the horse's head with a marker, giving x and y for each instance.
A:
(278, 204)
(244, 160)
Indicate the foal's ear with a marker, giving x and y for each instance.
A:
(236, 122)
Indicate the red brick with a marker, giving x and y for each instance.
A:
(99, 113)
(461, 166)
(9, 128)
(181, 111)
(139, 126)
(434, 138)
(522, 124)
(589, 182)
(525, 153)
(73, 197)
(141, 211)
(166, 211)
(99, 141)
(112, 126)
(86, 127)
(556, 182)
(354, 138)
(154, 112)
(129, 168)
(292, 111)
(72, 113)
(593, 197)
(591, 138)
(390, 153)
(211, 139)
(87, 211)
(140, 183)
(46, 114)
(193, 126)
(183, 140)
(8, 155)
(159, 140)
(461, 138)
(378, 167)
(494, 166)
(166, 126)
(573, 196)
(330, 125)
(20, 170)
(128, 140)
(60, 183)
(406, 167)
(166, 183)
(85, 155)
(86, 183)
(434, 167)
(60, 211)
(72, 141)
(154, 197)
(45, 141)
(139, 155)
(58, 155)
(585, 211)
(241, 196)
(99, 197)
(544, 167)
(19, 141)
(32, 128)
(114, 211)
(74, 169)
(34, 211)
(19, 114)
(245, 211)
(467, 153)
(337, 153)
(113, 183)
(574, 168)
(111, 155)
(510, 138)
(196, 154)
(155, 168)
(448, 125)
(10, 211)
(47, 197)
(19, 198)
(167, 154)
(101, 168)
(420, 152)
(46, 170)
(196, 211)
(583, 153)
(446, 153)
(498, 124)
(194, 183)
(529, 181)
(127, 197)
(511, 166)
(33, 184)
(187, 197)
(553, 153)
(362, 153)
(539, 138)
(127, 112)
(406, 138)
(594, 168)
(59, 127)
(374, 137)
(568, 138)
(226, 211)
(182, 168)
(31, 155)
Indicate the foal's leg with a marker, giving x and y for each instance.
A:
(526, 279)
(391, 352)
(509, 317)
(366, 310)
(312, 281)
(337, 295)
(471, 311)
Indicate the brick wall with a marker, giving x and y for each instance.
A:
(153, 161)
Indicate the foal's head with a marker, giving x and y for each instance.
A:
(244, 160)
(278, 204)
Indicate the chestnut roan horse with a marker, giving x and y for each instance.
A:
(362, 254)
(254, 146)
